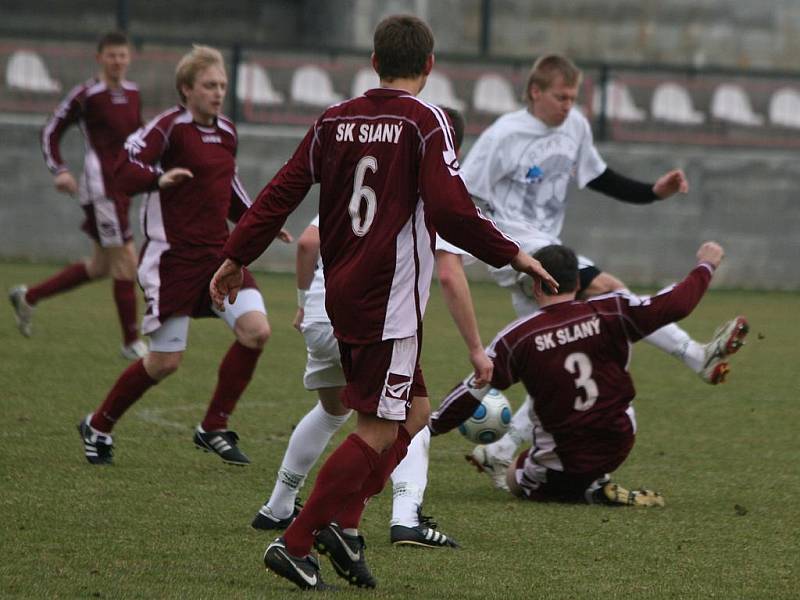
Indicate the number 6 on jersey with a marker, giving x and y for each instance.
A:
(361, 224)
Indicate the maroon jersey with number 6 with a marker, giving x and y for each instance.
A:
(388, 172)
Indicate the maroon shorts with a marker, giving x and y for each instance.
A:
(107, 222)
(382, 378)
(175, 282)
(548, 485)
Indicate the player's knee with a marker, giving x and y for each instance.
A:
(160, 365)
(417, 420)
(97, 269)
(254, 334)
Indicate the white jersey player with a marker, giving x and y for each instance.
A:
(521, 167)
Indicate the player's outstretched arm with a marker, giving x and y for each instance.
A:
(226, 283)
(455, 290)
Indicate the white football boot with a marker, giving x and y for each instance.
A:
(495, 467)
(23, 312)
(728, 339)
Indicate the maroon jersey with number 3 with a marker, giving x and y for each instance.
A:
(573, 357)
(388, 173)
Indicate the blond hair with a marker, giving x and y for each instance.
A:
(545, 70)
(192, 63)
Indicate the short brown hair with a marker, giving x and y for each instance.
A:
(545, 70)
(402, 45)
(112, 38)
(562, 264)
(199, 59)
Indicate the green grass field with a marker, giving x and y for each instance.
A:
(167, 521)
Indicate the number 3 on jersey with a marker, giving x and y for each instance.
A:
(580, 365)
(362, 221)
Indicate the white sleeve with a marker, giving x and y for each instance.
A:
(315, 221)
(589, 165)
(445, 246)
(484, 165)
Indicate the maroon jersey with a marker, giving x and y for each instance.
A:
(388, 174)
(191, 215)
(186, 224)
(572, 358)
(106, 116)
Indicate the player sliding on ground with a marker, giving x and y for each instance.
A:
(387, 169)
(572, 357)
(521, 167)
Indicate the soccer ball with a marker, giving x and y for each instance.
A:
(489, 421)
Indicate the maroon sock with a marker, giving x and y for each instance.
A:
(125, 299)
(342, 476)
(64, 280)
(130, 386)
(350, 516)
(235, 373)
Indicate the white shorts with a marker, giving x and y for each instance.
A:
(173, 334)
(324, 365)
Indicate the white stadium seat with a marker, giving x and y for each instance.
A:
(672, 102)
(784, 107)
(312, 85)
(253, 85)
(730, 103)
(26, 71)
(439, 90)
(365, 79)
(619, 103)
(494, 94)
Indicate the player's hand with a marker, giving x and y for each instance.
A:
(298, 319)
(711, 252)
(227, 282)
(174, 177)
(484, 367)
(285, 236)
(525, 263)
(65, 183)
(671, 183)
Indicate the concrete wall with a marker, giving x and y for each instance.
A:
(746, 200)
(733, 33)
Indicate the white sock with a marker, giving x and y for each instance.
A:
(520, 430)
(307, 443)
(676, 342)
(409, 480)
